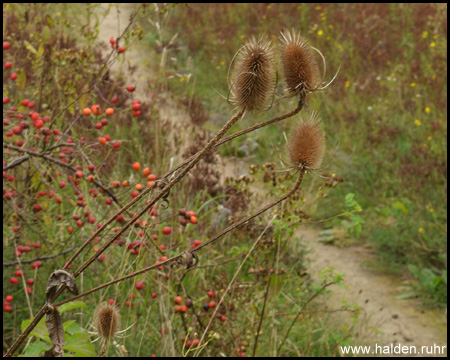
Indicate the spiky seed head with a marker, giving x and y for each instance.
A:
(254, 75)
(306, 147)
(300, 66)
(107, 320)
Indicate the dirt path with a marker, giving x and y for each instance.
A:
(388, 320)
(385, 320)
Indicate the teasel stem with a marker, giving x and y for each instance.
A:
(246, 131)
(165, 190)
(214, 238)
(184, 163)
(259, 212)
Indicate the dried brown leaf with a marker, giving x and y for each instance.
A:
(55, 331)
(58, 278)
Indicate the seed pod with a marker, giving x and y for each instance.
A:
(107, 320)
(254, 75)
(306, 147)
(301, 70)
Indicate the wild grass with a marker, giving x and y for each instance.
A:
(148, 316)
(385, 113)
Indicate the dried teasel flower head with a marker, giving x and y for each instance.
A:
(301, 70)
(107, 320)
(253, 79)
(306, 146)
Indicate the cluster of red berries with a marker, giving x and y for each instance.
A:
(135, 105)
(162, 258)
(37, 121)
(120, 49)
(7, 303)
(18, 274)
(182, 308)
(211, 304)
(191, 343)
(187, 216)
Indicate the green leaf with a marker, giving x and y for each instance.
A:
(71, 327)
(40, 331)
(30, 47)
(71, 305)
(326, 236)
(46, 34)
(276, 284)
(348, 199)
(40, 51)
(36, 349)
(406, 296)
(80, 345)
(400, 206)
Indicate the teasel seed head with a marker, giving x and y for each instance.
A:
(107, 320)
(253, 79)
(306, 146)
(301, 70)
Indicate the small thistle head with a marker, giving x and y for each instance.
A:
(253, 79)
(300, 66)
(107, 320)
(306, 146)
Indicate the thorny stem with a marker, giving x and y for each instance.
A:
(191, 162)
(56, 161)
(43, 310)
(176, 257)
(149, 189)
(246, 131)
(165, 190)
(248, 218)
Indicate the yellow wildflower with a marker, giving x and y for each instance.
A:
(347, 84)
(320, 33)
(427, 109)
(421, 230)
(417, 122)
(413, 84)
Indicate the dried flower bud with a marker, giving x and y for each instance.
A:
(301, 69)
(254, 75)
(107, 320)
(306, 147)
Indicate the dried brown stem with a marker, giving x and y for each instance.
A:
(174, 258)
(245, 131)
(164, 191)
(59, 162)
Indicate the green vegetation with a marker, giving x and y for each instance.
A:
(64, 177)
(385, 114)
